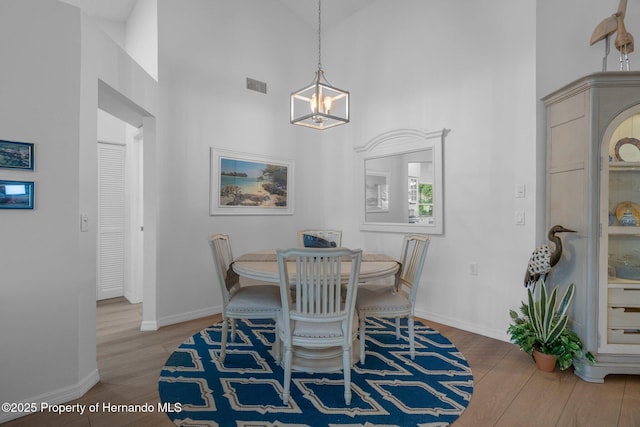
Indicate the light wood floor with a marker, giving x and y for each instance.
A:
(509, 391)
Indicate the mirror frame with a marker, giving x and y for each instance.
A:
(402, 141)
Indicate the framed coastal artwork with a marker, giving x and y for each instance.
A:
(16, 194)
(16, 155)
(248, 184)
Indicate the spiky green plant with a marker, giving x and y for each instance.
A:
(548, 321)
(543, 326)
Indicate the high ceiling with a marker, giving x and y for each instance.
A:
(333, 11)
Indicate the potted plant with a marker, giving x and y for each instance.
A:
(542, 330)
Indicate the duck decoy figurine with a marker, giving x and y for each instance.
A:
(607, 27)
(623, 42)
(544, 259)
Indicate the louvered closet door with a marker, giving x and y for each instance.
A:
(111, 211)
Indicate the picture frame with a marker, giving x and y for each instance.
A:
(377, 191)
(16, 194)
(16, 155)
(250, 184)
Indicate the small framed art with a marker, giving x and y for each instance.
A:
(16, 155)
(16, 194)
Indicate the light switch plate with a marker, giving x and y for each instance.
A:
(84, 222)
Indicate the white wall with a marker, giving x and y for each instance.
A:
(142, 35)
(111, 129)
(47, 292)
(40, 285)
(138, 35)
(117, 31)
(418, 64)
(208, 48)
(453, 65)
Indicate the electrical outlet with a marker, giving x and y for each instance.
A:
(520, 218)
(520, 191)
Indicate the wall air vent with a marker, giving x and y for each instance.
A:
(256, 85)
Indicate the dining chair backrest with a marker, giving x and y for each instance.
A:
(223, 257)
(321, 294)
(319, 238)
(414, 252)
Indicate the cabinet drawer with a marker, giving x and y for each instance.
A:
(624, 297)
(621, 336)
(624, 318)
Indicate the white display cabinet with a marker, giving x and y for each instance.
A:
(593, 187)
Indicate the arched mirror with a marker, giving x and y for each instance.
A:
(400, 182)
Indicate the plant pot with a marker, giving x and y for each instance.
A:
(544, 362)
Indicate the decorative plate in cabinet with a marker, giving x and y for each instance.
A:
(632, 207)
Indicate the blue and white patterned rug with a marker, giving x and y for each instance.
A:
(389, 390)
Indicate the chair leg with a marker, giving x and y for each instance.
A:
(412, 345)
(397, 328)
(223, 340)
(362, 337)
(287, 375)
(346, 368)
(233, 330)
(277, 348)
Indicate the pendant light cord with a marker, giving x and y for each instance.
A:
(319, 37)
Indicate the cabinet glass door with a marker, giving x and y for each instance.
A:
(620, 242)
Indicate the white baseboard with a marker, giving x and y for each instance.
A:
(154, 325)
(149, 325)
(58, 396)
(110, 293)
(449, 321)
(190, 315)
(465, 326)
(133, 297)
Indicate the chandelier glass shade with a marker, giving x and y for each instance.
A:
(320, 105)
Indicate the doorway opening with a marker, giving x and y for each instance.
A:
(120, 210)
(141, 194)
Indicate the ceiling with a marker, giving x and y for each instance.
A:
(333, 11)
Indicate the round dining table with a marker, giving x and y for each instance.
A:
(263, 266)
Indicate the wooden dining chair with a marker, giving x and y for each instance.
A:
(318, 308)
(318, 238)
(397, 300)
(258, 301)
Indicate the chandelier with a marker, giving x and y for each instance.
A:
(320, 105)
